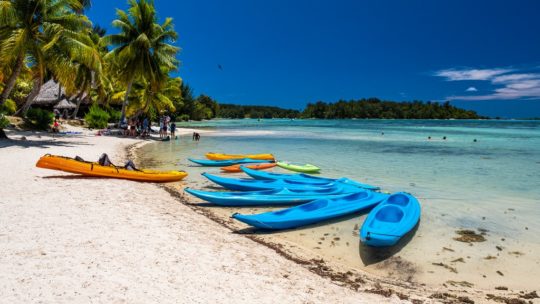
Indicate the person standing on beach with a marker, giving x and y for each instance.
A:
(145, 127)
(165, 128)
(173, 130)
(161, 127)
(132, 128)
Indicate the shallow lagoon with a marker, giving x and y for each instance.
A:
(491, 184)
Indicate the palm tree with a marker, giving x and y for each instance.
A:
(91, 74)
(39, 32)
(157, 97)
(142, 50)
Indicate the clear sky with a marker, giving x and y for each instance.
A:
(482, 55)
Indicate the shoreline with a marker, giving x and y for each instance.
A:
(164, 204)
(451, 291)
(66, 238)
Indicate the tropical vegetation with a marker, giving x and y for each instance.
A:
(240, 111)
(362, 108)
(40, 118)
(131, 72)
(376, 108)
(97, 117)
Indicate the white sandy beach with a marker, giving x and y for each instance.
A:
(65, 239)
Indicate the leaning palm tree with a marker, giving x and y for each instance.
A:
(142, 48)
(34, 31)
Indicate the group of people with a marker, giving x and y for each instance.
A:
(136, 127)
(142, 127)
(165, 125)
(196, 136)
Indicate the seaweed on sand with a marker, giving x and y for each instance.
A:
(469, 236)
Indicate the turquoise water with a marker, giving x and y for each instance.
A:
(460, 183)
(503, 163)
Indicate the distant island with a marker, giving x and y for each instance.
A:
(361, 108)
(241, 111)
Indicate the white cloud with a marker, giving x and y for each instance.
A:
(509, 84)
(514, 77)
(471, 74)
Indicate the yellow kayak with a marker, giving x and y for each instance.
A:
(221, 156)
(71, 165)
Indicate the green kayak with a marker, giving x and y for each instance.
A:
(307, 168)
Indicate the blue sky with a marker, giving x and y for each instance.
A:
(482, 55)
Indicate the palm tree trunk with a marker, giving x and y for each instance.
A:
(30, 99)
(124, 104)
(59, 91)
(12, 79)
(79, 100)
(76, 111)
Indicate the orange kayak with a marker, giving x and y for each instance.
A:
(221, 156)
(71, 165)
(236, 168)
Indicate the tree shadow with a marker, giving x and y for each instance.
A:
(40, 143)
(74, 176)
(372, 255)
(40, 139)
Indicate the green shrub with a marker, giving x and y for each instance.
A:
(114, 115)
(9, 107)
(42, 119)
(97, 117)
(183, 117)
(4, 122)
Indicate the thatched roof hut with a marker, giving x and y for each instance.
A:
(65, 104)
(49, 94)
(53, 94)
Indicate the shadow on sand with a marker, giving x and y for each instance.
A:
(44, 140)
(372, 255)
(74, 176)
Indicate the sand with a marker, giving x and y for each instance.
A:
(66, 239)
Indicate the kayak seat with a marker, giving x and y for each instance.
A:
(357, 196)
(314, 206)
(398, 199)
(390, 214)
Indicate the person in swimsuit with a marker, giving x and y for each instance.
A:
(173, 130)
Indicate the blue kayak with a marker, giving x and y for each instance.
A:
(316, 211)
(244, 184)
(281, 196)
(261, 175)
(390, 220)
(224, 163)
